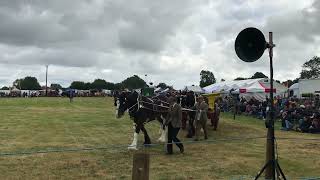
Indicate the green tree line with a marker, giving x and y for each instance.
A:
(133, 82)
(31, 83)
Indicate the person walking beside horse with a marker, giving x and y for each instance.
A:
(216, 114)
(201, 117)
(173, 121)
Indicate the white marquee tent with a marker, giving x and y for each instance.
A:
(258, 88)
(5, 92)
(294, 89)
(196, 89)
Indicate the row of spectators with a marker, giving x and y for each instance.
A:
(301, 115)
(240, 106)
(29, 94)
(295, 114)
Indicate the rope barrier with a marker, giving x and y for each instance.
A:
(114, 147)
(122, 146)
(208, 141)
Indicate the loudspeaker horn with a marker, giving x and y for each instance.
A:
(250, 44)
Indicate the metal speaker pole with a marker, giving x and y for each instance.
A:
(250, 45)
(47, 80)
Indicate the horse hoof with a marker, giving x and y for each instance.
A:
(132, 148)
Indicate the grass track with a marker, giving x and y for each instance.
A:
(54, 123)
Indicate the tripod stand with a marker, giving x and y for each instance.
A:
(277, 167)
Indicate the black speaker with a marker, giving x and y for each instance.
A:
(250, 44)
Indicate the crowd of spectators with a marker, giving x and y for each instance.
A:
(301, 115)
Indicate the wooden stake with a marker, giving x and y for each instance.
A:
(141, 163)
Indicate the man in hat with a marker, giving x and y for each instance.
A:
(174, 123)
(201, 117)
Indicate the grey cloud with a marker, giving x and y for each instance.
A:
(140, 25)
(171, 41)
(303, 24)
(37, 56)
(148, 28)
(31, 27)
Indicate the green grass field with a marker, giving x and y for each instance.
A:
(50, 124)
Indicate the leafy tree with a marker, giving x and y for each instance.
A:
(87, 86)
(206, 78)
(30, 83)
(240, 78)
(78, 85)
(4, 88)
(17, 83)
(295, 80)
(99, 84)
(255, 76)
(289, 82)
(162, 85)
(27, 83)
(110, 86)
(311, 69)
(55, 86)
(118, 86)
(258, 75)
(134, 82)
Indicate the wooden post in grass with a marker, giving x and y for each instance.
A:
(140, 169)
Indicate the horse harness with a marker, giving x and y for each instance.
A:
(154, 105)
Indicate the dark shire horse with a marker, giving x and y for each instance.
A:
(188, 102)
(142, 110)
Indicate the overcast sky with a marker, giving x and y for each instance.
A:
(170, 40)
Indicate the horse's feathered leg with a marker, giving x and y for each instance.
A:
(191, 130)
(163, 137)
(147, 140)
(134, 143)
